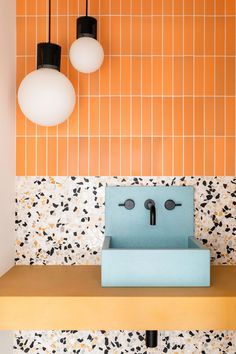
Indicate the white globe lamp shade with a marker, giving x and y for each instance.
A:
(86, 54)
(46, 97)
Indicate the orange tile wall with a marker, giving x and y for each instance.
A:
(163, 103)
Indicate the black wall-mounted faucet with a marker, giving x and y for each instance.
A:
(150, 205)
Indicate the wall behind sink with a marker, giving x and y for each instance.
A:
(162, 104)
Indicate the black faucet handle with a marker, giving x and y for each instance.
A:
(128, 204)
(149, 203)
(170, 204)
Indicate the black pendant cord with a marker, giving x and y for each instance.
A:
(86, 7)
(49, 21)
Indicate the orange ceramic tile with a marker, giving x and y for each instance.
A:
(199, 78)
(230, 38)
(146, 157)
(83, 157)
(209, 116)
(219, 156)
(20, 157)
(146, 35)
(146, 117)
(20, 121)
(219, 116)
(146, 7)
(62, 157)
(157, 75)
(220, 7)
(167, 116)
(178, 76)
(167, 157)
(43, 131)
(103, 30)
(178, 156)
(167, 76)
(31, 7)
(30, 156)
(188, 157)
(230, 7)
(125, 156)
(115, 157)
(209, 35)
(105, 7)
(52, 157)
(125, 7)
(209, 7)
(220, 35)
(220, 75)
(83, 115)
(167, 35)
(209, 157)
(199, 116)
(157, 35)
(189, 7)
(73, 157)
(178, 116)
(136, 7)
(51, 131)
(94, 116)
(115, 76)
(157, 157)
(94, 157)
(94, 7)
(41, 29)
(63, 128)
(157, 7)
(115, 35)
(71, 29)
(20, 7)
(230, 157)
(21, 70)
(62, 33)
(167, 7)
(230, 116)
(125, 44)
(125, 75)
(104, 115)
(199, 35)
(136, 82)
(42, 8)
(136, 35)
(178, 36)
(42, 156)
(188, 76)
(199, 156)
(125, 116)
(94, 83)
(20, 36)
(74, 122)
(136, 116)
(230, 76)
(188, 116)
(104, 77)
(30, 127)
(104, 156)
(115, 7)
(147, 78)
(84, 81)
(209, 76)
(178, 7)
(199, 7)
(73, 7)
(188, 35)
(115, 115)
(136, 157)
(157, 116)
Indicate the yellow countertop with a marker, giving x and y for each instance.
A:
(71, 297)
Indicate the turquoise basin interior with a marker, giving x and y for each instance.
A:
(136, 253)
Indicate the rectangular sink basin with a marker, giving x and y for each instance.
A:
(187, 266)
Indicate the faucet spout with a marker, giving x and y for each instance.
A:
(150, 205)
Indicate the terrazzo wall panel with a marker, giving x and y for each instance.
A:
(60, 220)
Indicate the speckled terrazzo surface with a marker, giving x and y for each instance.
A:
(121, 342)
(60, 220)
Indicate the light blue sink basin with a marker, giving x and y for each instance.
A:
(136, 253)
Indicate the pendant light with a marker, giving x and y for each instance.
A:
(45, 95)
(86, 53)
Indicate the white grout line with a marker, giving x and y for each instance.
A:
(194, 106)
(183, 128)
(214, 110)
(136, 15)
(152, 162)
(125, 136)
(146, 55)
(172, 88)
(162, 89)
(204, 97)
